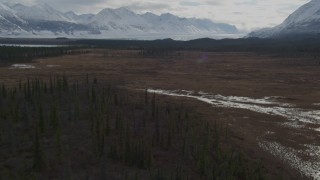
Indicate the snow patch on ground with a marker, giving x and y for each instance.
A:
(266, 105)
(270, 132)
(310, 168)
(293, 124)
(317, 129)
(22, 66)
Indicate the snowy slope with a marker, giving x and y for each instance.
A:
(307, 13)
(41, 12)
(9, 21)
(304, 21)
(118, 20)
(171, 23)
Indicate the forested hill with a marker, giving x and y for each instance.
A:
(302, 44)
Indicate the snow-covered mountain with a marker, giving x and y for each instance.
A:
(171, 23)
(9, 21)
(41, 20)
(40, 12)
(304, 21)
(119, 20)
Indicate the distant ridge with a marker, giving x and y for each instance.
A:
(41, 20)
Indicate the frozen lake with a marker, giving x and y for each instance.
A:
(32, 45)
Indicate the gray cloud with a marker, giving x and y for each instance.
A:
(148, 6)
(238, 13)
(189, 3)
(76, 5)
(214, 3)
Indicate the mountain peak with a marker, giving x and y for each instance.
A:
(305, 20)
(149, 14)
(121, 10)
(168, 15)
(307, 12)
(124, 9)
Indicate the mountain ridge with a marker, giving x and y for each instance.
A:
(305, 21)
(44, 21)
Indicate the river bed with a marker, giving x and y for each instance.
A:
(271, 106)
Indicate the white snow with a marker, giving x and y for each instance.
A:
(264, 105)
(309, 168)
(8, 12)
(39, 12)
(270, 132)
(22, 66)
(306, 13)
(293, 124)
(317, 129)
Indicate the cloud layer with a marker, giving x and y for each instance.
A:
(245, 14)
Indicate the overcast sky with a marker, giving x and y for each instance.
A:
(245, 14)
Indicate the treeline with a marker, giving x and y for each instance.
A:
(164, 53)
(57, 129)
(298, 46)
(159, 53)
(9, 54)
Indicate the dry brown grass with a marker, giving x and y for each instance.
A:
(239, 74)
